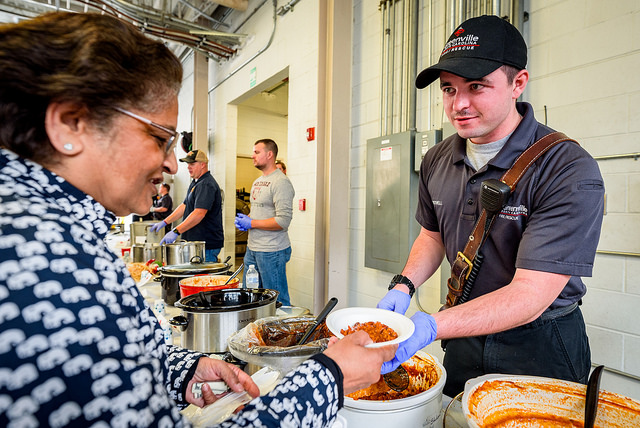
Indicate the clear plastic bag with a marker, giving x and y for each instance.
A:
(272, 342)
(223, 408)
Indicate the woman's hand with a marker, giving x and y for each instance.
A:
(210, 369)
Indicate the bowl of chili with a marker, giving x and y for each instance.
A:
(384, 327)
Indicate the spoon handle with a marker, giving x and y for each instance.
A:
(328, 307)
(591, 399)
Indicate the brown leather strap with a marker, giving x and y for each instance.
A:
(462, 265)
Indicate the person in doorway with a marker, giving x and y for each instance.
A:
(201, 210)
(90, 106)
(522, 316)
(268, 246)
(163, 205)
(281, 166)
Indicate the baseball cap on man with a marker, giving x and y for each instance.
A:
(195, 156)
(479, 46)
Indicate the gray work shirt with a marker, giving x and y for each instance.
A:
(551, 221)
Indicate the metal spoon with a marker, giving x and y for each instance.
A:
(328, 307)
(398, 380)
(234, 274)
(591, 399)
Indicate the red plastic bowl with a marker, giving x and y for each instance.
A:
(198, 283)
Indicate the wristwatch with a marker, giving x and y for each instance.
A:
(401, 279)
(175, 230)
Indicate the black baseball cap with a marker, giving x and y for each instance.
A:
(479, 46)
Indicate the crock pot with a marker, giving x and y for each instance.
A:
(210, 317)
(171, 275)
(198, 283)
(420, 410)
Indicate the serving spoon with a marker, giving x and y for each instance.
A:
(398, 380)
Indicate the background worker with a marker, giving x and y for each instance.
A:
(522, 316)
(163, 205)
(268, 246)
(281, 166)
(90, 107)
(201, 210)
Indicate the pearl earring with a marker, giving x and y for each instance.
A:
(68, 146)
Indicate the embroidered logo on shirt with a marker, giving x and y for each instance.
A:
(512, 213)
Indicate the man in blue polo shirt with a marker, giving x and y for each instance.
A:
(201, 210)
(522, 315)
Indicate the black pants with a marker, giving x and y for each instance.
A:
(556, 348)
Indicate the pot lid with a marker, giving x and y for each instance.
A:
(194, 268)
(227, 300)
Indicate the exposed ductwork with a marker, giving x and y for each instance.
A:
(197, 24)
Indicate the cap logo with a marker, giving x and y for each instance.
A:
(468, 42)
(459, 31)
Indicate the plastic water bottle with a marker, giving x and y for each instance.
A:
(253, 279)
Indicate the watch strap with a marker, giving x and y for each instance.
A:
(401, 279)
(175, 230)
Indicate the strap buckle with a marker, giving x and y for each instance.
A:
(464, 258)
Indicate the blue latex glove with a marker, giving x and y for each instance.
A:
(425, 333)
(243, 222)
(158, 226)
(169, 238)
(395, 300)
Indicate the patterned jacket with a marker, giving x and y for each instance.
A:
(79, 346)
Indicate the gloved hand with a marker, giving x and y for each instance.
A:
(158, 226)
(243, 222)
(395, 300)
(425, 333)
(169, 238)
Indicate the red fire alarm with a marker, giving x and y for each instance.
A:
(302, 204)
(311, 134)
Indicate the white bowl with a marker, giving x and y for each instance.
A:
(343, 318)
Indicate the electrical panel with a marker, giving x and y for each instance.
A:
(424, 141)
(391, 200)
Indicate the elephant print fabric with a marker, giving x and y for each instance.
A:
(78, 344)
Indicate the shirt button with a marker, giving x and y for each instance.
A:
(469, 201)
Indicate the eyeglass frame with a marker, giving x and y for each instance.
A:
(171, 142)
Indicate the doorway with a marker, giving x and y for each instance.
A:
(263, 115)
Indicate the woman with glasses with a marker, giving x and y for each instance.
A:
(89, 109)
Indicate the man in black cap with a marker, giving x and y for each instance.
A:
(201, 210)
(521, 315)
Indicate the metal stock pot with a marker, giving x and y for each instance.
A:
(210, 317)
(181, 252)
(171, 275)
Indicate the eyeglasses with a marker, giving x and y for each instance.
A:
(173, 139)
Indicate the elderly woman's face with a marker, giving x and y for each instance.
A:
(134, 159)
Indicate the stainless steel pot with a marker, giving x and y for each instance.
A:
(140, 233)
(142, 253)
(181, 252)
(171, 275)
(210, 317)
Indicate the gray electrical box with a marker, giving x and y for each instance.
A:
(424, 141)
(391, 200)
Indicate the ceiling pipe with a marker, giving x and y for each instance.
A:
(257, 54)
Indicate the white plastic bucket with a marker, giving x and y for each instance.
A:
(421, 410)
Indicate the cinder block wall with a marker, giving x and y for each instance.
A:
(583, 58)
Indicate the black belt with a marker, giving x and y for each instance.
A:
(558, 312)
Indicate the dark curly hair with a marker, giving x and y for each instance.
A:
(97, 61)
